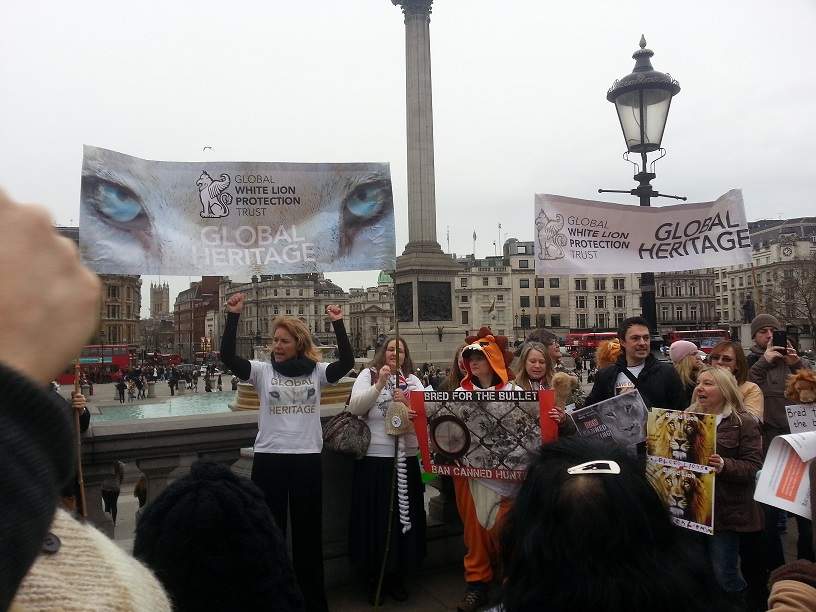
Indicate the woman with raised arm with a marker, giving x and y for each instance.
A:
(287, 464)
(372, 486)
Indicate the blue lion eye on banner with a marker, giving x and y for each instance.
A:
(220, 218)
(575, 236)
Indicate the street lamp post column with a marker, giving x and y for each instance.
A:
(642, 100)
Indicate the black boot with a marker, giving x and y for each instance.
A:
(395, 587)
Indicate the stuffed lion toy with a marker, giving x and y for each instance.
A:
(563, 384)
(801, 387)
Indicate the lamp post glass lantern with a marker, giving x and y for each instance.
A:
(642, 99)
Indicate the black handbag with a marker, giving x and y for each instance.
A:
(346, 433)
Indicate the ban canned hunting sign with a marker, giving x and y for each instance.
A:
(575, 236)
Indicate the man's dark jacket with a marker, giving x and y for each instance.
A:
(658, 383)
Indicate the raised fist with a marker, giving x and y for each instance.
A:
(235, 303)
(334, 312)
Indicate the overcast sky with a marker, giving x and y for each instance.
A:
(518, 91)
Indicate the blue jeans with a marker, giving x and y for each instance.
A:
(723, 550)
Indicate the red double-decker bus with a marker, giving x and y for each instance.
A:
(98, 362)
(162, 359)
(706, 339)
(588, 342)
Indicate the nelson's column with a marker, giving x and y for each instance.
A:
(425, 276)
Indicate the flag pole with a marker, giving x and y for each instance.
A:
(378, 593)
(83, 509)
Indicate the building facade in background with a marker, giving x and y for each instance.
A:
(303, 296)
(781, 279)
(686, 300)
(119, 310)
(499, 291)
(159, 300)
(505, 293)
(190, 314)
(370, 314)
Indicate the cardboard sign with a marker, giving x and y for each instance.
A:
(679, 445)
(482, 434)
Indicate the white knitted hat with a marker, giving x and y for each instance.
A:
(88, 572)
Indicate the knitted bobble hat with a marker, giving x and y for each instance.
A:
(764, 320)
(211, 540)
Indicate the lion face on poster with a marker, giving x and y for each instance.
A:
(681, 436)
(687, 495)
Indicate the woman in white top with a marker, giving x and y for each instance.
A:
(372, 492)
(287, 464)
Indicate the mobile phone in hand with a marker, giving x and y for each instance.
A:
(780, 338)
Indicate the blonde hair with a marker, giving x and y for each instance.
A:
(303, 337)
(520, 371)
(686, 369)
(727, 384)
(607, 353)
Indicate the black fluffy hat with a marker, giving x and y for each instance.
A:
(212, 542)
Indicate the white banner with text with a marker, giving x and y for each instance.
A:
(222, 218)
(586, 237)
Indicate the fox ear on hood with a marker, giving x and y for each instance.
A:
(483, 332)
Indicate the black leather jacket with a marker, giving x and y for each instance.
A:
(658, 384)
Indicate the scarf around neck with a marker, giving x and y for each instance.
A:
(296, 366)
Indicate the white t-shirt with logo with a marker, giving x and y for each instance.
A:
(289, 413)
(623, 384)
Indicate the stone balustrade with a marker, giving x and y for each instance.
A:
(163, 449)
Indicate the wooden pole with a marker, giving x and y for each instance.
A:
(82, 506)
(378, 592)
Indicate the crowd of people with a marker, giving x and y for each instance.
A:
(585, 530)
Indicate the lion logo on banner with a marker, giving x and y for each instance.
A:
(681, 436)
(212, 195)
(550, 239)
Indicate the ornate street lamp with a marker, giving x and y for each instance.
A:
(642, 100)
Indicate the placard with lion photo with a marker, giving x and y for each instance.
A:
(679, 445)
(688, 495)
(680, 438)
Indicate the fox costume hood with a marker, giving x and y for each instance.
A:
(494, 348)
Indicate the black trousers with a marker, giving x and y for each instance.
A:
(773, 538)
(295, 482)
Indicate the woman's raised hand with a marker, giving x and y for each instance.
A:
(334, 312)
(235, 303)
(557, 414)
(382, 377)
